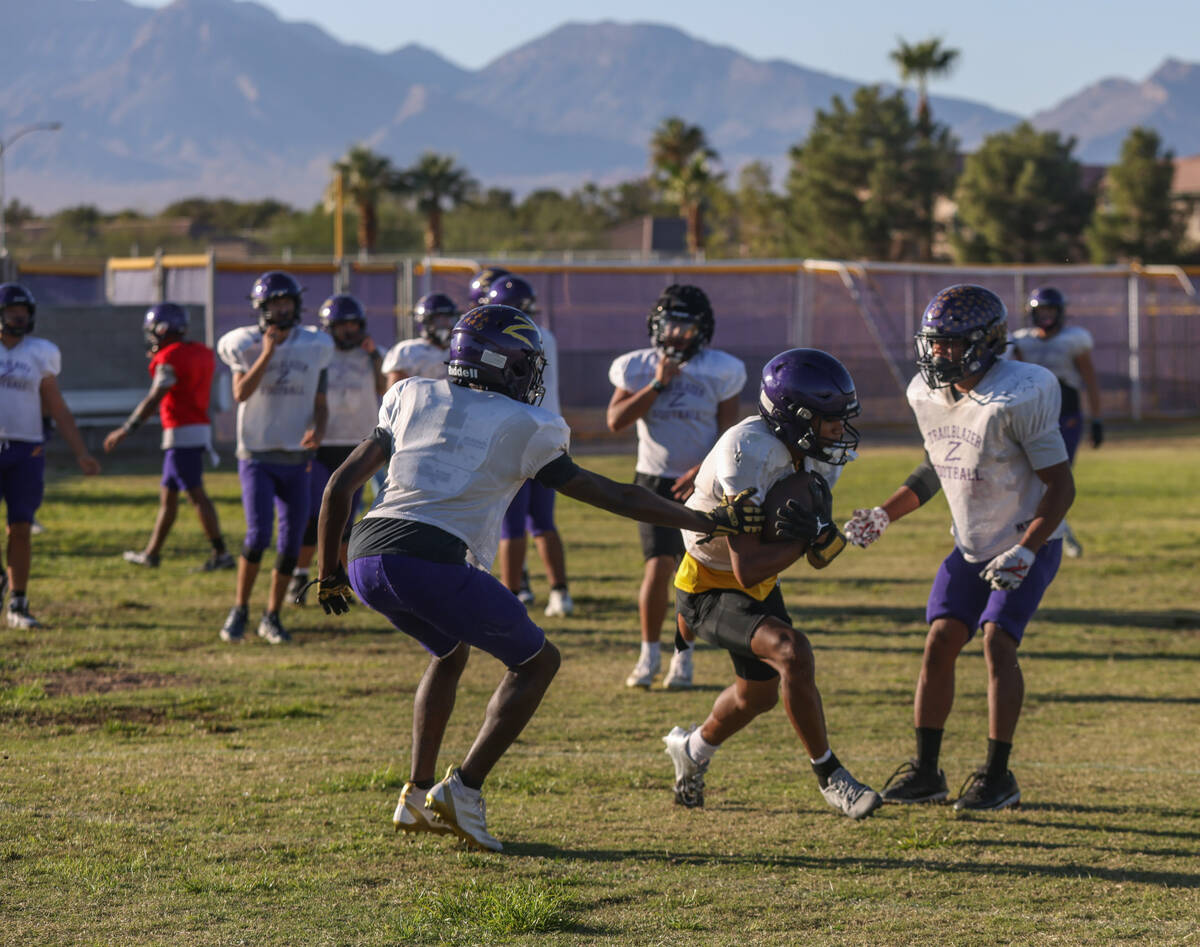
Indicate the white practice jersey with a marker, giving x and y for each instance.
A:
(681, 425)
(986, 448)
(353, 400)
(22, 369)
(459, 456)
(276, 416)
(746, 456)
(1057, 353)
(417, 358)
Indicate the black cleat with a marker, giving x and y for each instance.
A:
(910, 784)
(989, 792)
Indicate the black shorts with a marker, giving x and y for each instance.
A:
(728, 619)
(659, 540)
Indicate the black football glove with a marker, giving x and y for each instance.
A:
(734, 515)
(333, 592)
(793, 523)
(1097, 432)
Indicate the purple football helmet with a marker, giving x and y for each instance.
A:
(799, 387)
(1047, 308)
(163, 320)
(14, 294)
(498, 348)
(513, 291)
(435, 315)
(972, 315)
(343, 309)
(275, 284)
(681, 322)
(482, 284)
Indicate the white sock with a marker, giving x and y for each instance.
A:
(824, 758)
(650, 650)
(699, 749)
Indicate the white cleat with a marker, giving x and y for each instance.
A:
(463, 811)
(560, 604)
(849, 796)
(17, 615)
(643, 672)
(689, 775)
(679, 674)
(412, 815)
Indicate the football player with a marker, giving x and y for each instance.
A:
(29, 367)
(279, 381)
(727, 592)
(456, 453)
(181, 373)
(532, 509)
(992, 443)
(355, 384)
(682, 395)
(425, 356)
(1066, 351)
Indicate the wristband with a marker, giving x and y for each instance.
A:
(131, 425)
(657, 385)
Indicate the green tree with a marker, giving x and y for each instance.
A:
(435, 184)
(857, 184)
(1139, 219)
(682, 163)
(918, 63)
(366, 177)
(1021, 199)
(761, 216)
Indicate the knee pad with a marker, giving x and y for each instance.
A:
(252, 555)
(286, 565)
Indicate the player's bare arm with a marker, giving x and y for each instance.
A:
(754, 561)
(145, 408)
(626, 407)
(1087, 371)
(372, 350)
(247, 382)
(1059, 495)
(636, 502)
(54, 405)
(315, 434)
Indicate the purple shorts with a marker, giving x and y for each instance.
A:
(444, 604)
(22, 478)
(183, 468)
(1071, 427)
(287, 486)
(316, 492)
(531, 511)
(959, 592)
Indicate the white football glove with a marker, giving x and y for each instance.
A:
(866, 526)
(1008, 570)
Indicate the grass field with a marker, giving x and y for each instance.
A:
(158, 786)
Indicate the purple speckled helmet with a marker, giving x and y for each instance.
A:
(275, 284)
(1047, 308)
(498, 348)
(801, 385)
(14, 294)
(481, 284)
(161, 320)
(513, 291)
(339, 310)
(961, 313)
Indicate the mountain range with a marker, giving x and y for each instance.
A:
(223, 98)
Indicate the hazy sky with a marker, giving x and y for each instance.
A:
(1018, 55)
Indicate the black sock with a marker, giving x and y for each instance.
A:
(681, 643)
(18, 593)
(218, 545)
(468, 783)
(997, 759)
(561, 587)
(242, 610)
(826, 769)
(929, 747)
(426, 784)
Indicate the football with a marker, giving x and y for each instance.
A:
(794, 486)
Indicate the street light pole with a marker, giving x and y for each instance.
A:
(5, 144)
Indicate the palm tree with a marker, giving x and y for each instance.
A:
(432, 183)
(681, 159)
(919, 63)
(366, 176)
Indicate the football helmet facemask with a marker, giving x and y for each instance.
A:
(681, 322)
(802, 392)
(498, 348)
(971, 316)
(14, 294)
(340, 310)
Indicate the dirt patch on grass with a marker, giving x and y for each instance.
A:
(78, 683)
